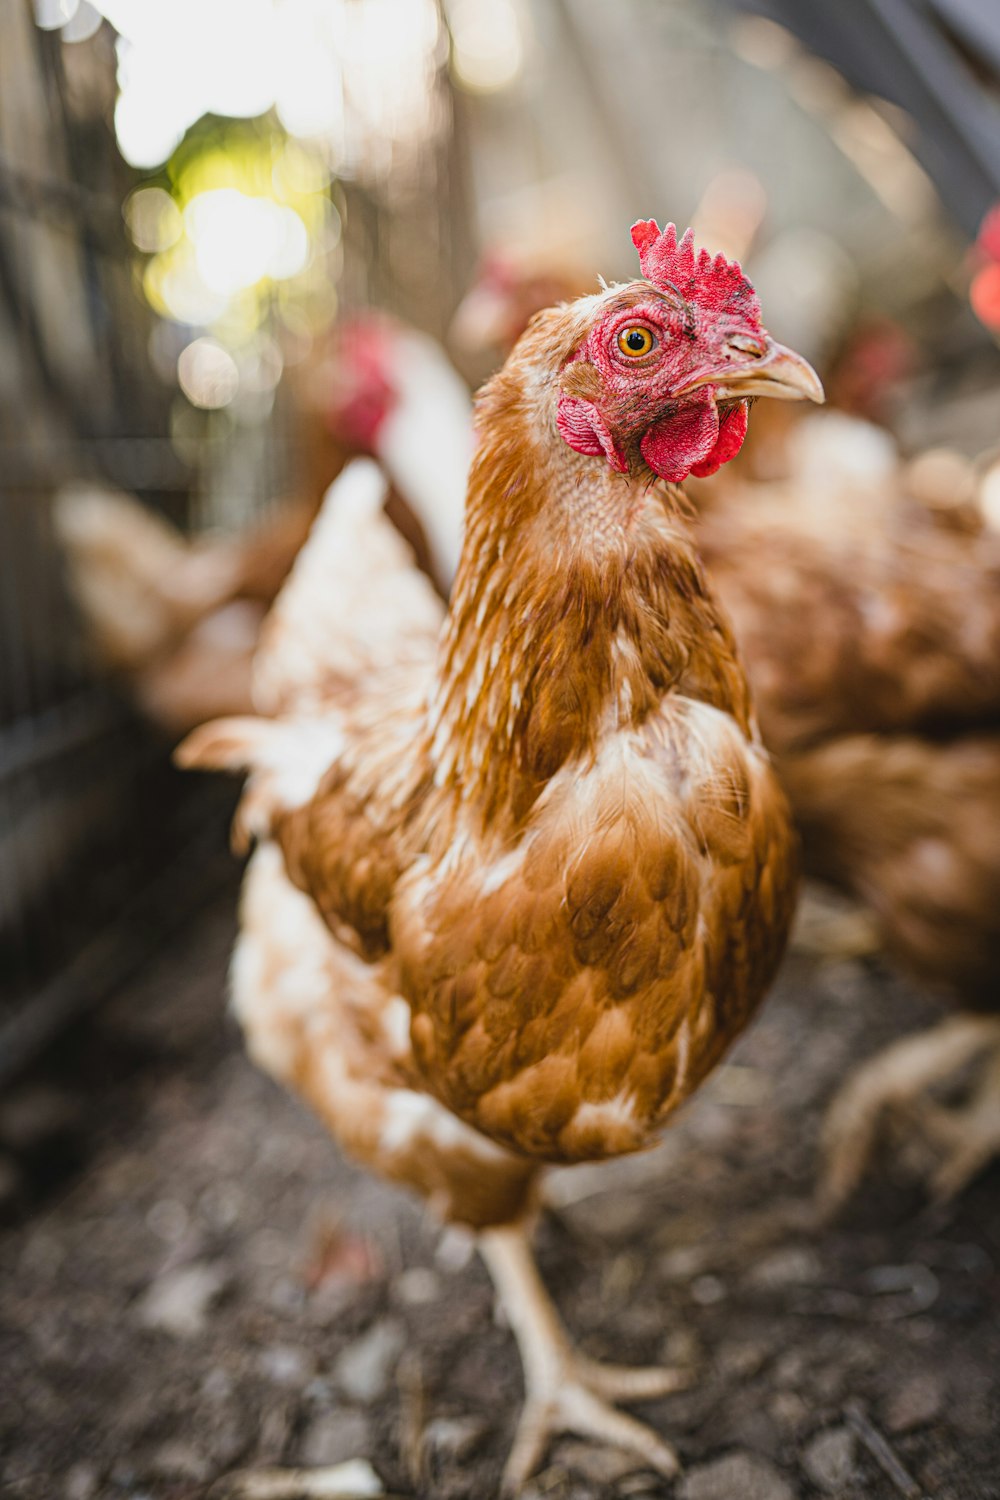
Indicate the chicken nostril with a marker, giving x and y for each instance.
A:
(746, 345)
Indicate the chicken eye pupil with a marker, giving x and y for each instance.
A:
(635, 341)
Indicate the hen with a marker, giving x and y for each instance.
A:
(174, 619)
(521, 879)
(391, 392)
(865, 595)
(872, 639)
(178, 619)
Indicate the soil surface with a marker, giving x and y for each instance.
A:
(194, 1281)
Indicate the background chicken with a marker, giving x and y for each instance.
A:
(178, 618)
(871, 628)
(555, 869)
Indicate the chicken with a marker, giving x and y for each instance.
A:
(178, 619)
(513, 283)
(911, 826)
(390, 391)
(858, 608)
(865, 595)
(162, 612)
(522, 876)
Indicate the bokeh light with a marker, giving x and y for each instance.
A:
(487, 50)
(153, 219)
(51, 14)
(207, 374)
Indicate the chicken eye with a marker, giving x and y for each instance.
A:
(635, 341)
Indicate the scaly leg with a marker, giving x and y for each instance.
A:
(565, 1391)
(894, 1080)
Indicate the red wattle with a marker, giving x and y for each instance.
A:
(687, 437)
(732, 431)
(585, 430)
(694, 439)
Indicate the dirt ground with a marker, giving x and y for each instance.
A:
(193, 1280)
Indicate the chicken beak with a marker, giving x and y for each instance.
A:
(778, 372)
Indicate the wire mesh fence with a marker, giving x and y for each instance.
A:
(89, 809)
(102, 845)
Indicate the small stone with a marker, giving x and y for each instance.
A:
(287, 1365)
(417, 1286)
(178, 1460)
(683, 1262)
(680, 1347)
(168, 1220)
(355, 1480)
(336, 1436)
(456, 1437)
(789, 1411)
(455, 1248)
(707, 1290)
(179, 1300)
(829, 1459)
(740, 1361)
(217, 1385)
(738, 1476)
(792, 1266)
(364, 1369)
(790, 1370)
(81, 1482)
(915, 1403)
(285, 1295)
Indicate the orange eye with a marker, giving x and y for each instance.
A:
(635, 341)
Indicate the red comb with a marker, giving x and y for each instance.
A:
(712, 283)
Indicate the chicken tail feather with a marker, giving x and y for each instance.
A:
(286, 761)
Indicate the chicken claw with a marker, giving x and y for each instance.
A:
(564, 1390)
(895, 1081)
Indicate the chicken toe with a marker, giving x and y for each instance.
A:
(564, 1390)
(896, 1082)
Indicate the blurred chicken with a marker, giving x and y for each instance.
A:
(865, 594)
(512, 283)
(178, 619)
(521, 880)
(162, 612)
(912, 827)
(860, 602)
(391, 392)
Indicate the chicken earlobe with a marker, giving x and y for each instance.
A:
(581, 425)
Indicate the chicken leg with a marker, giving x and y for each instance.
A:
(564, 1390)
(963, 1137)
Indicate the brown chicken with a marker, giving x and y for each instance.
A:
(522, 879)
(865, 594)
(176, 619)
(912, 827)
(871, 628)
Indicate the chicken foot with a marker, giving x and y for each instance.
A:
(894, 1082)
(564, 1390)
